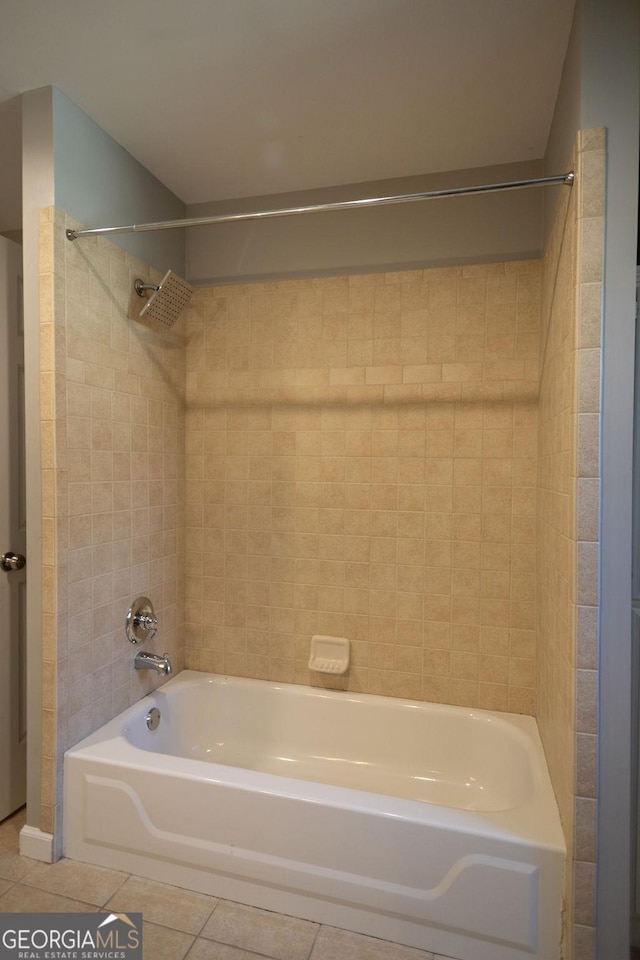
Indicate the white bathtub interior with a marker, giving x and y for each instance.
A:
(428, 825)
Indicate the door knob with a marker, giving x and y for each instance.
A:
(12, 561)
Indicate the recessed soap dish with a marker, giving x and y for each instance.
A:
(329, 654)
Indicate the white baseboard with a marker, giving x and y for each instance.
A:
(36, 844)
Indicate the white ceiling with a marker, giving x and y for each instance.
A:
(232, 98)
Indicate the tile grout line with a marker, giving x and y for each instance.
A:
(213, 910)
(12, 884)
(127, 876)
(315, 940)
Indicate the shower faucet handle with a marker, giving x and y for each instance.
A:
(141, 623)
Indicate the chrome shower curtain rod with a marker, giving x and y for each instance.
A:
(564, 178)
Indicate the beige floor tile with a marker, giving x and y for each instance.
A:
(163, 904)
(332, 943)
(210, 950)
(12, 865)
(270, 934)
(22, 899)
(78, 881)
(159, 943)
(10, 830)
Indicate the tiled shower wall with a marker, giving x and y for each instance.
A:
(112, 402)
(361, 462)
(568, 497)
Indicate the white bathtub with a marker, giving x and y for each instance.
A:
(429, 825)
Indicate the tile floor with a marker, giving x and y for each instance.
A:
(177, 924)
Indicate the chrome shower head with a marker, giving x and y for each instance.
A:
(168, 300)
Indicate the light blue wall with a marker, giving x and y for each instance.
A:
(506, 226)
(610, 96)
(99, 183)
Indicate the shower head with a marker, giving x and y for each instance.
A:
(168, 300)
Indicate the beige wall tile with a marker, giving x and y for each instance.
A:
(567, 523)
(361, 497)
(116, 400)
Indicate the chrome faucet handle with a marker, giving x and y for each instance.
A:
(141, 623)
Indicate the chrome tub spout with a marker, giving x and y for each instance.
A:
(150, 661)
